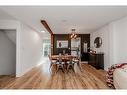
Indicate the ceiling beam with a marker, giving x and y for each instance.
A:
(44, 23)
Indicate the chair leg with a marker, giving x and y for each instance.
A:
(80, 67)
(60, 68)
(73, 68)
(57, 69)
(78, 64)
(63, 69)
(50, 67)
(68, 68)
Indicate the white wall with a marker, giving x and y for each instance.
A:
(120, 39)
(28, 45)
(114, 37)
(14, 25)
(104, 34)
(31, 48)
(7, 55)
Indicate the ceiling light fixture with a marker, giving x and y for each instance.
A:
(43, 31)
(73, 34)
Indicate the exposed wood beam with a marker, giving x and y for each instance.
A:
(47, 26)
(44, 23)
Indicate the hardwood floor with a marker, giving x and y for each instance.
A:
(86, 77)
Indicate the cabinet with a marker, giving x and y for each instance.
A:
(96, 60)
(85, 56)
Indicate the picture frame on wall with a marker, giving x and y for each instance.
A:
(62, 43)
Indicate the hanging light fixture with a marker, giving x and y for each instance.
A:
(73, 34)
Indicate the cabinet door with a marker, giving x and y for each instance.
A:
(92, 60)
(97, 61)
(85, 56)
(101, 61)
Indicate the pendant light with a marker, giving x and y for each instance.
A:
(73, 34)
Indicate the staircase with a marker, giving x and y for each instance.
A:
(11, 34)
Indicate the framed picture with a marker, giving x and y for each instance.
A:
(62, 44)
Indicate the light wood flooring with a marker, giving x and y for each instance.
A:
(84, 77)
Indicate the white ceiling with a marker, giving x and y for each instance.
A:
(5, 15)
(62, 19)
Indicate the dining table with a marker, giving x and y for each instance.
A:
(64, 57)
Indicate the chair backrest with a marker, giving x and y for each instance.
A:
(60, 59)
(70, 60)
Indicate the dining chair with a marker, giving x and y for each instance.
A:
(52, 62)
(60, 63)
(76, 60)
(70, 65)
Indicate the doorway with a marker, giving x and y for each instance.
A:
(76, 47)
(46, 44)
(46, 49)
(7, 52)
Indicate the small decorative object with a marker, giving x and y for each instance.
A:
(97, 42)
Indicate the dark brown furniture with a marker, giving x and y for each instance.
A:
(84, 56)
(96, 60)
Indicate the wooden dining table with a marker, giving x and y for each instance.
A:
(64, 57)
